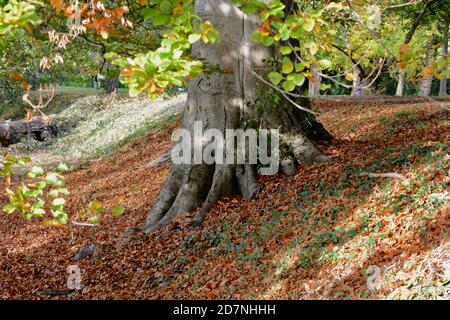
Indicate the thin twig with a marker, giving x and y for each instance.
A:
(393, 175)
(82, 224)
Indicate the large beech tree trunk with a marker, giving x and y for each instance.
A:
(443, 82)
(425, 85)
(219, 101)
(401, 83)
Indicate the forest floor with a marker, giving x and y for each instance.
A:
(325, 233)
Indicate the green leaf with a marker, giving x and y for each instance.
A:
(309, 25)
(267, 41)
(26, 159)
(110, 55)
(287, 66)
(284, 50)
(63, 167)
(94, 219)
(325, 63)
(148, 12)
(166, 7)
(10, 208)
(51, 178)
(160, 20)
(58, 202)
(62, 218)
(296, 78)
(36, 172)
(39, 212)
(194, 37)
(299, 67)
(96, 206)
(275, 78)
(117, 211)
(325, 86)
(288, 85)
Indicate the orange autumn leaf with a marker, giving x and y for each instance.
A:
(404, 48)
(119, 12)
(178, 10)
(428, 71)
(57, 4)
(403, 64)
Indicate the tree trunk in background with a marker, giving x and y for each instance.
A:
(443, 82)
(425, 85)
(220, 102)
(314, 85)
(111, 84)
(402, 75)
(356, 91)
(401, 83)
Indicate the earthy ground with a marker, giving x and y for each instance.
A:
(318, 234)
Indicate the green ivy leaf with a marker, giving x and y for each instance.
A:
(288, 85)
(275, 78)
(287, 66)
(284, 50)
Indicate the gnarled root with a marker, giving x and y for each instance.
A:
(190, 186)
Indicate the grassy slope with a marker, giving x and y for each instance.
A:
(95, 126)
(312, 235)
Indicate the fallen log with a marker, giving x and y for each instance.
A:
(12, 132)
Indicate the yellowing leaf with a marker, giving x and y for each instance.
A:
(428, 71)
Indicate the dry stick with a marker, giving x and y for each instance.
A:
(404, 4)
(82, 224)
(393, 175)
(282, 92)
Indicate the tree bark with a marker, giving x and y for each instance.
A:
(12, 132)
(359, 86)
(401, 83)
(314, 85)
(443, 82)
(425, 85)
(111, 85)
(402, 75)
(220, 101)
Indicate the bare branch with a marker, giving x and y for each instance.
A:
(43, 99)
(282, 92)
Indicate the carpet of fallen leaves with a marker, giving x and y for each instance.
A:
(316, 235)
